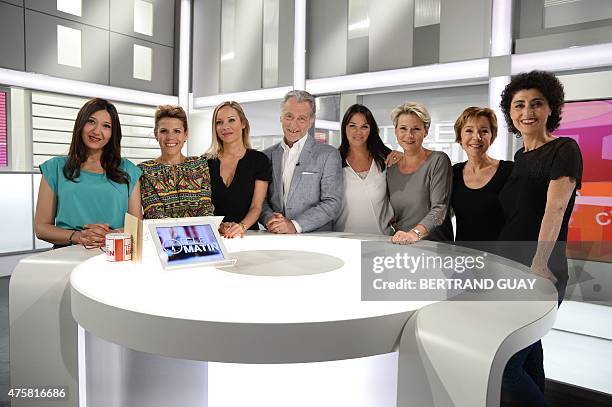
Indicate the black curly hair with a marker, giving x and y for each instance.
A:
(545, 82)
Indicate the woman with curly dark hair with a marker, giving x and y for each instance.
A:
(85, 195)
(537, 199)
(365, 207)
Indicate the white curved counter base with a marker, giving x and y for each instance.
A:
(213, 315)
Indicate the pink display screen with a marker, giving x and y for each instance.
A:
(3, 132)
(590, 229)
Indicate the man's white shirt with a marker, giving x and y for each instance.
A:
(291, 157)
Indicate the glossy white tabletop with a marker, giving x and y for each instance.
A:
(218, 314)
(222, 295)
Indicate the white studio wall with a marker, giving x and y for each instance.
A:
(20, 137)
(200, 131)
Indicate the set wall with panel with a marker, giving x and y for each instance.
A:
(549, 24)
(242, 45)
(354, 36)
(12, 27)
(128, 44)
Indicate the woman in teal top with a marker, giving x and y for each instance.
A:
(85, 195)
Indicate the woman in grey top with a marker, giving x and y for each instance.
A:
(419, 186)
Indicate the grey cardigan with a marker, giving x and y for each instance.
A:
(423, 197)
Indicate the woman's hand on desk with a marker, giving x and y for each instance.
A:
(94, 234)
(231, 230)
(401, 237)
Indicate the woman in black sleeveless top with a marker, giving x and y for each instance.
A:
(538, 200)
(478, 181)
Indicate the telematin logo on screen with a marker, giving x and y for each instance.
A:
(191, 245)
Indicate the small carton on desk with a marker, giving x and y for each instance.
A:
(133, 226)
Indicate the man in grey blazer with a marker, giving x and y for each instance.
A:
(307, 183)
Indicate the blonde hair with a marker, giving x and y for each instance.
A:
(216, 146)
(414, 108)
(472, 113)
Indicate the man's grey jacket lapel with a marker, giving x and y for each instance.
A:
(304, 161)
(277, 159)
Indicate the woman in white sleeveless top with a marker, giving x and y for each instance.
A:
(366, 206)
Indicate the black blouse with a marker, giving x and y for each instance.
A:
(478, 212)
(234, 201)
(524, 200)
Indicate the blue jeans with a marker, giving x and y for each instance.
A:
(523, 382)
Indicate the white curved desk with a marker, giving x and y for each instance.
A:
(214, 315)
(220, 315)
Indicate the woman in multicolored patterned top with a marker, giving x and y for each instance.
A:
(172, 185)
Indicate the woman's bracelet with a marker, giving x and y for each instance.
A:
(70, 238)
(243, 226)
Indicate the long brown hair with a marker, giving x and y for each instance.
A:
(374, 143)
(111, 154)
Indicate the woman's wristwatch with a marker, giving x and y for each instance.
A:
(418, 233)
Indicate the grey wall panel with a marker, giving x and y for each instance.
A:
(122, 20)
(391, 34)
(12, 52)
(270, 32)
(328, 108)
(41, 49)
(426, 49)
(206, 47)
(576, 12)
(122, 63)
(530, 34)
(15, 2)
(357, 55)
(286, 17)
(243, 71)
(530, 18)
(465, 29)
(327, 38)
(177, 49)
(94, 12)
(358, 44)
(563, 40)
